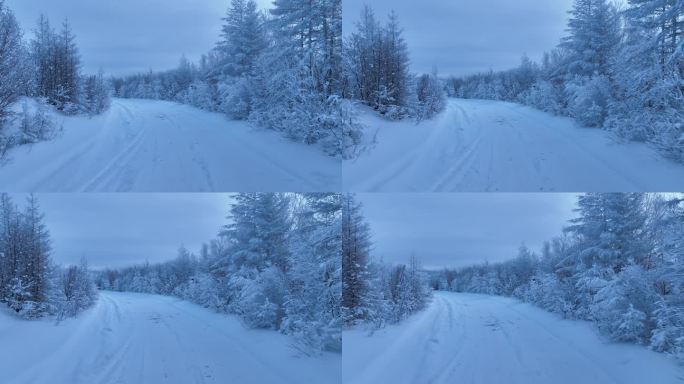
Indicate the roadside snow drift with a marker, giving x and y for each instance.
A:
(158, 146)
(135, 338)
(477, 339)
(480, 145)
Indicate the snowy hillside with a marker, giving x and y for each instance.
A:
(478, 145)
(136, 338)
(484, 339)
(146, 146)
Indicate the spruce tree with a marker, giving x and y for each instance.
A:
(356, 242)
(593, 37)
(13, 62)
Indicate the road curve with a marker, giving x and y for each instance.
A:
(158, 146)
(477, 339)
(480, 145)
(136, 338)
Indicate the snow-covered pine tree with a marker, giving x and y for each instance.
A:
(430, 96)
(611, 230)
(37, 249)
(668, 278)
(594, 34)
(378, 73)
(77, 288)
(57, 63)
(259, 231)
(662, 20)
(356, 242)
(68, 67)
(95, 94)
(396, 60)
(292, 89)
(312, 304)
(258, 259)
(9, 239)
(242, 39)
(649, 73)
(25, 266)
(360, 61)
(13, 61)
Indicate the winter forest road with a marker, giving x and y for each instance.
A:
(158, 146)
(477, 339)
(480, 145)
(134, 338)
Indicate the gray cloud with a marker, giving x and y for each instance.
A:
(114, 230)
(463, 228)
(127, 36)
(465, 36)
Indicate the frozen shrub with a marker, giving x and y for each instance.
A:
(620, 308)
(95, 94)
(78, 291)
(430, 97)
(547, 292)
(201, 289)
(545, 96)
(588, 100)
(236, 98)
(13, 62)
(200, 95)
(630, 325)
(37, 125)
(260, 301)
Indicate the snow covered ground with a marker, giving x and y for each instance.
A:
(476, 339)
(479, 145)
(158, 146)
(136, 338)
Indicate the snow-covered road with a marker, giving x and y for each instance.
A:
(133, 338)
(476, 339)
(158, 146)
(479, 145)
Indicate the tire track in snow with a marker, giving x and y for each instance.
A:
(144, 146)
(498, 340)
(478, 145)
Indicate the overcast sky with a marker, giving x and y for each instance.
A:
(115, 230)
(461, 229)
(457, 36)
(466, 36)
(128, 36)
